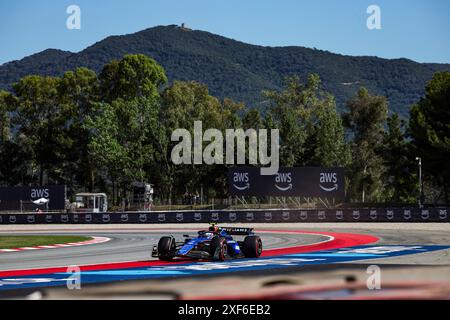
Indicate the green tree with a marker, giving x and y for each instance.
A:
(366, 118)
(330, 148)
(130, 88)
(400, 177)
(104, 148)
(252, 120)
(78, 91)
(121, 141)
(182, 104)
(430, 131)
(290, 115)
(16, 156)
(42, 123)
(5, 125)
(311, 131)
(135, 76)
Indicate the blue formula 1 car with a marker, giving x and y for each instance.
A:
(212, 244)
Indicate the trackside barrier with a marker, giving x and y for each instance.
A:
(230, 216)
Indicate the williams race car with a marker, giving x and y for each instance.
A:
(212, 244)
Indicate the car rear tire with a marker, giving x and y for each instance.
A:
(166, 248)
(252, 247)
(218, 243)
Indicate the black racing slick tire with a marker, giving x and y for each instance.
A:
(252, 247)
(166, 248)
(219, 245)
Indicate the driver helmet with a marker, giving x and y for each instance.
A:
(214, 228)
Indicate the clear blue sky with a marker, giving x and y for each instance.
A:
(414, 29)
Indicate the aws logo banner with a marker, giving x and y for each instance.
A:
(283, 181)
(288, 182)
(328, 181)
(11, 197)
(241, 181)
(37, 193)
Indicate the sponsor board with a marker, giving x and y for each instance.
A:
(425, 215)
(224, 216)
(198, 216)
(321, 215)
(407, 214)
(303, 215)
(215, 216)
(288, 182)
(12, 198)
(373, 214)
(390, 214)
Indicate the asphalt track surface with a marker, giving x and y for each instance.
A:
(126, 245)
(134, 242)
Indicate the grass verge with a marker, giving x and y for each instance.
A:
(11, 242)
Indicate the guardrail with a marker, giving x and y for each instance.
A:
(230, 216)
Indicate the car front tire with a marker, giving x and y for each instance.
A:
(166, 248)
(218, 243)
(252, 247)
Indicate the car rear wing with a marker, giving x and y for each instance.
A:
(233, 231)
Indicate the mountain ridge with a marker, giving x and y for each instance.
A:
(238, 70)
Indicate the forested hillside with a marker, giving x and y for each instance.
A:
(237, 70)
